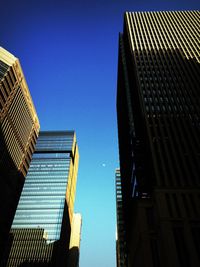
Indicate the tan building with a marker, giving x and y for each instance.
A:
(19, 128)
(75, 239)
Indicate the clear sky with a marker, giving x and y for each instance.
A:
(68, 51)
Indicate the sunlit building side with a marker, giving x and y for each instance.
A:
(75, 240)
(40, 232)
(158, 109)
(19, 128)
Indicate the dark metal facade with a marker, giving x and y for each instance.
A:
(158, 107)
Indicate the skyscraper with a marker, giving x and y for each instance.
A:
(40, 232)
(158, 107)
(19, 127)
(121, 256)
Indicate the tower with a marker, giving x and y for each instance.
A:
(158, 111)
(41, 228)
(19, 127)
(121, 256)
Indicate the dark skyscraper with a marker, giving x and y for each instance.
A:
(40, 232)
(121, 256)
(19, 127)
(158, 107)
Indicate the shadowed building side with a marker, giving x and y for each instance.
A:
(158, 108)
(19, 128)
(121, 250)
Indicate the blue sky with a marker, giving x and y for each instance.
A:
(68, 51)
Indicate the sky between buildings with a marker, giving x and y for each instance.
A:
(68, 51)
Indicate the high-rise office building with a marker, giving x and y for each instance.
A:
(75, 240)
(40, 232)
(19, 127)
(121, 257)
(158, 107)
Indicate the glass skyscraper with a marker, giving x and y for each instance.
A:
(158, 108)
(41, 228)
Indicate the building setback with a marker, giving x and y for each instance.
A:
(40, 232)
(75, 240)
(158, 108)
(19, 127)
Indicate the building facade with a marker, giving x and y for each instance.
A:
(121, 256)
(41, 228)
(158, 107)
(75, 240)
(19, 128)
